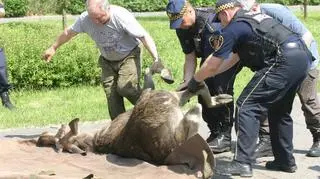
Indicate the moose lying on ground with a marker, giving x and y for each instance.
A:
(156, 130)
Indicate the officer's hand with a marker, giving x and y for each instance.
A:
(194, 85)
(48, 54)
(182, 86)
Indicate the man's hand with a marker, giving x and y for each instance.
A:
(48, 54)
(156, 67)
(194, 85)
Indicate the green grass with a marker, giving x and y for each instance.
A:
(55, 106)
(40, 108)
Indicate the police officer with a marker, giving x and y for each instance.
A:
(280, 60)
(193, 27)
(308, 89)
(4, 85)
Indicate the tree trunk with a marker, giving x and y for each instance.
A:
(305, 3)
(64, 19)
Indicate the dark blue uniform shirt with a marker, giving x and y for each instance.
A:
(233, 35)
(207, 49)
(186, 36)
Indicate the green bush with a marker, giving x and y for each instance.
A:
(74, 63)
(71, 6)
(77, 6)
(41, 7)
(141, 5)
(203, 3)
(24, 43)
(16, 8)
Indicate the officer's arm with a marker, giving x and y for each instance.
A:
(190, 65)
(230, 62)
(209, 68)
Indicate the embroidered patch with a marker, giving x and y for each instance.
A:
(216, 42)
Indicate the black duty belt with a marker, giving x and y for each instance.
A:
(293, 45)
(298, 44)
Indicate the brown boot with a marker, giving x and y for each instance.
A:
(315, 149)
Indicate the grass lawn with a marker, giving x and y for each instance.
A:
(55, 106)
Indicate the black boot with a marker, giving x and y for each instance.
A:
(235, 168)
(222, 143)
(274, 165)
(214, 132)
(6, 100)
(315, 149)
(264, 148)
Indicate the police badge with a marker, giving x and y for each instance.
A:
(216, 42)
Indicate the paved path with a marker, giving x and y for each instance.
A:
(308, 168)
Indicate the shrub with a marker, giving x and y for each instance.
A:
(78, 6)
(142, 5)
(16, 8)
(41, 7)
(74, 63)
(71, 6)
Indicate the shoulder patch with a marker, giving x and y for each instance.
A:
(216, 42)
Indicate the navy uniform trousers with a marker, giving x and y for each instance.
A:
(4, 85)
(272, 89)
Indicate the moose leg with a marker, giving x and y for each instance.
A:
(65, 141)
(191, 121)
(72, 148)
(148, 81)
(46, 140)
(210, 101)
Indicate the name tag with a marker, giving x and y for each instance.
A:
(258, 16)
(261, 17)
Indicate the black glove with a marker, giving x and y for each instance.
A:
(194, 85)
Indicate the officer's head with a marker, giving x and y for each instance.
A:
(250, 5)
(225, 11)
(181, 14)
